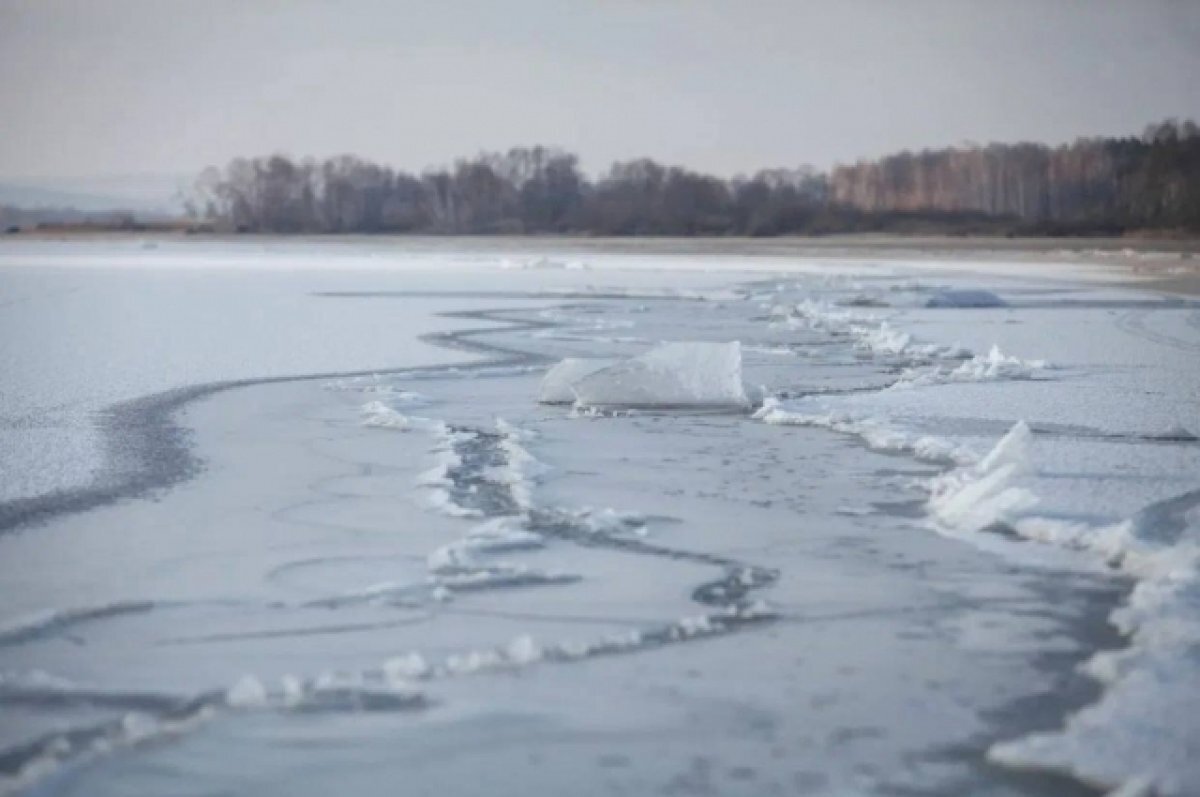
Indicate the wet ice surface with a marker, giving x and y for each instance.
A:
(424, 580)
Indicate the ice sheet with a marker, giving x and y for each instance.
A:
(762, 596)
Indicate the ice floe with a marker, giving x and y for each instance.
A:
(965, 298)
(680, 374)
(558, 385)
(973, 498)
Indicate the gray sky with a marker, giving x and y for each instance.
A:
(95, 87)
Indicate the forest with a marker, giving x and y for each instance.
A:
(1092, 186)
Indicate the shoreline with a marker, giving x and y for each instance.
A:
(1166, 264)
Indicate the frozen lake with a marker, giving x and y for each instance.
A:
(288, 517)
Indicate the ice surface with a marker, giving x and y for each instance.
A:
(1137, 735)
(682, 374)
(1141, 734)
(297, 556)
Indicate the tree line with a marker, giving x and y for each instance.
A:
(1093, 185)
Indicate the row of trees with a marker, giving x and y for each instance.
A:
(1147, 182)
(525, 190)
(1089, 186)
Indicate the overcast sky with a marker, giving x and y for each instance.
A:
(94, 87)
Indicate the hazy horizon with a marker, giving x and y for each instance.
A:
(165, 89)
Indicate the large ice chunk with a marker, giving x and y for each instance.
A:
(971, 499)
(671, 375)
(558, 383)
(965, 298)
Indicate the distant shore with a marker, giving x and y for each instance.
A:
(1167, 264)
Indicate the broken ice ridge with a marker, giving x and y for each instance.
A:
(679, 374)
